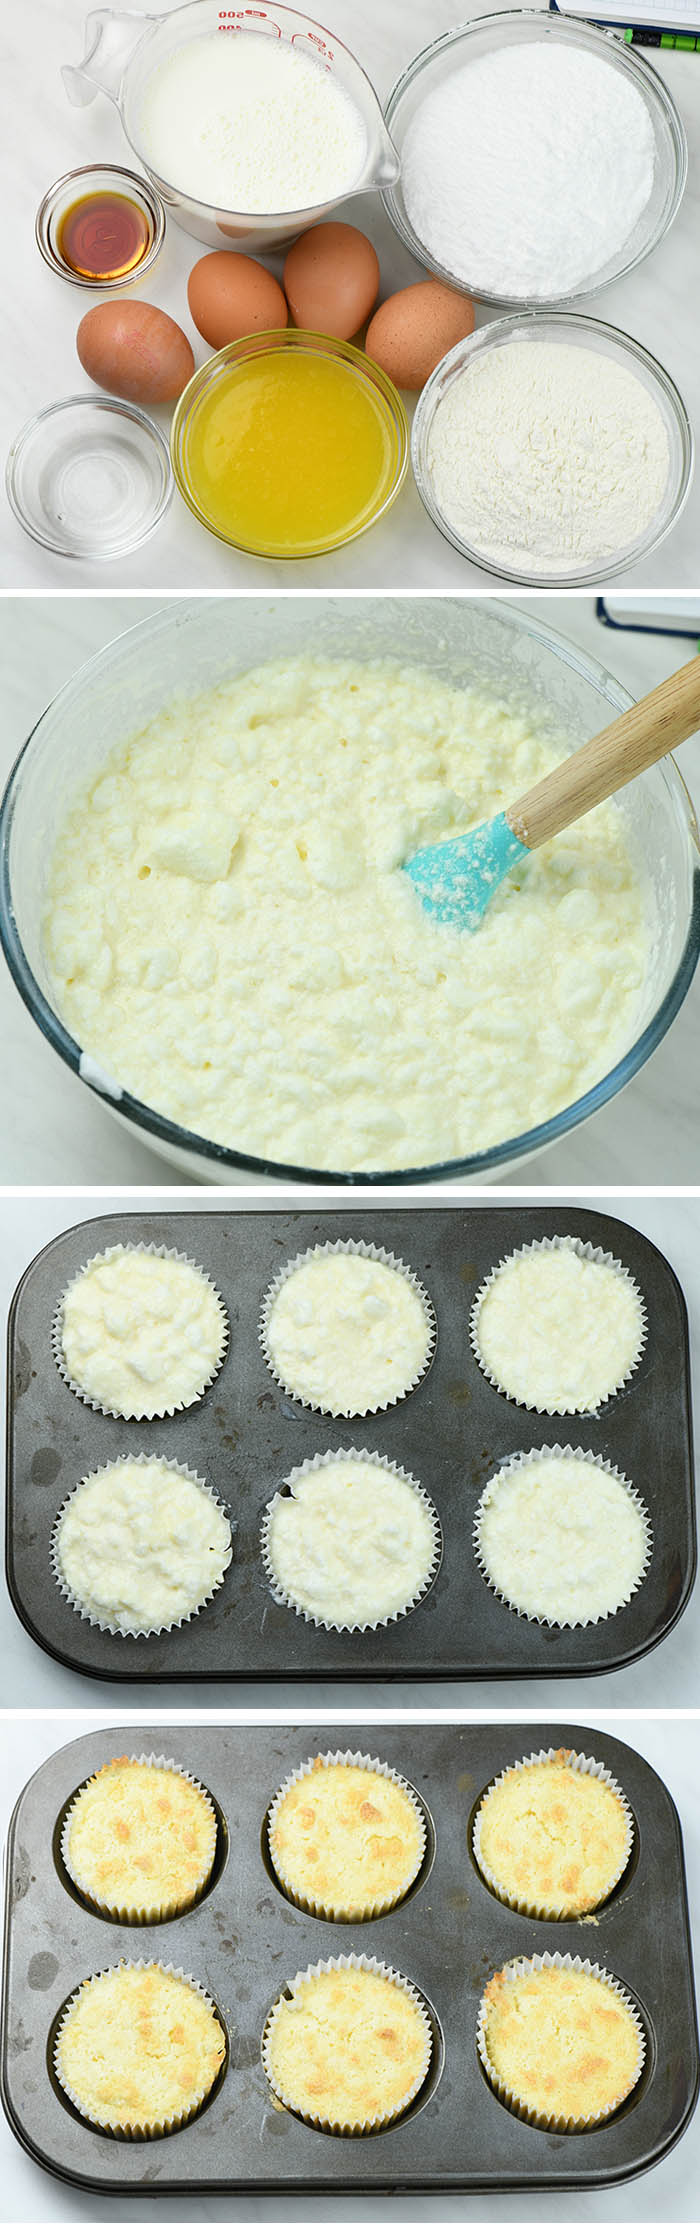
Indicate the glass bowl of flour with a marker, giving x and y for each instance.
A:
(552, 450)
(251, 123)
(539, 159)
(202, 902)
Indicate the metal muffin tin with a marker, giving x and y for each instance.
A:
(451, 1433)
(245, 1940)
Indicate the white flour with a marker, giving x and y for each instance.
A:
(527, 171)
(248, 123)
(548, 457)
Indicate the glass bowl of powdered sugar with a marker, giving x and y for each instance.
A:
(539, 158)
(552, 450)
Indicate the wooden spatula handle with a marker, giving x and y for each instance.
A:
(629, 746)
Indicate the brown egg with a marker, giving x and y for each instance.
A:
(230, 295)
(135, 351)
(331, 279)
(414, 329)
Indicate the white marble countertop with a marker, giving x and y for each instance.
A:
(44, 136)
(29, 2196)
(53, 1130)
(667, 1677)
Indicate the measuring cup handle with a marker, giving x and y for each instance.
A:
(110, 41)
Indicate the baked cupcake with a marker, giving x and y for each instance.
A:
(138, 2050)
(140, 1332)
(348, 2046)
(562, 1537)
(553, 1835)
(346, 1837)
(559, 1326)
(350, 1541)
(139, 1840)
(140, 1546)
(560, 2041)
(348, 1329)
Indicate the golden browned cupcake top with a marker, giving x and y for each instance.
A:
(140, 1838)
(346, 1839)
(551, 1837)
(563, 2043)
(139, 2049)
(350, 2047)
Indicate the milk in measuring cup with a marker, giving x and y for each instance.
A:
(250, 123)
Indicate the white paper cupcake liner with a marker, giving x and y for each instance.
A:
(351, 1249)
(341, 1459)
(554, 2122)
(584, 1459)
(178, 1405)
(583, 1765)
(583, 1250)
(165, 1911)
(155, 1629)
(307, 1900)
(369, 2123)
(159, 2128)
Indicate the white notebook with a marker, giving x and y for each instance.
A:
(661, 15)
(653, 613)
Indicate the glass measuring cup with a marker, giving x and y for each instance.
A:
(123, 50)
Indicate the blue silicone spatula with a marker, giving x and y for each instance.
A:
(456, 880)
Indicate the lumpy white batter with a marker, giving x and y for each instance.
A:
(559, 1331)
(141, 1334)
(354, 1543)
(140, 1545)
(347, 1334)
(229, 933)
(562, 1539)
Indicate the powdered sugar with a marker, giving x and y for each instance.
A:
(525, 172)
(548, 457)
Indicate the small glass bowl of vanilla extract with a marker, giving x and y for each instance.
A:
(100, 226)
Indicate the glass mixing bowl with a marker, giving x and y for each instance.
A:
(603, 339)
(491, 34)
(122, 51)
(191, 646)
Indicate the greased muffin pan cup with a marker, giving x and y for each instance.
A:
(244, 1943)
(451, 1433)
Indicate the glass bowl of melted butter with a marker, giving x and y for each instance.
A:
(289, 444)
(214, 931)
